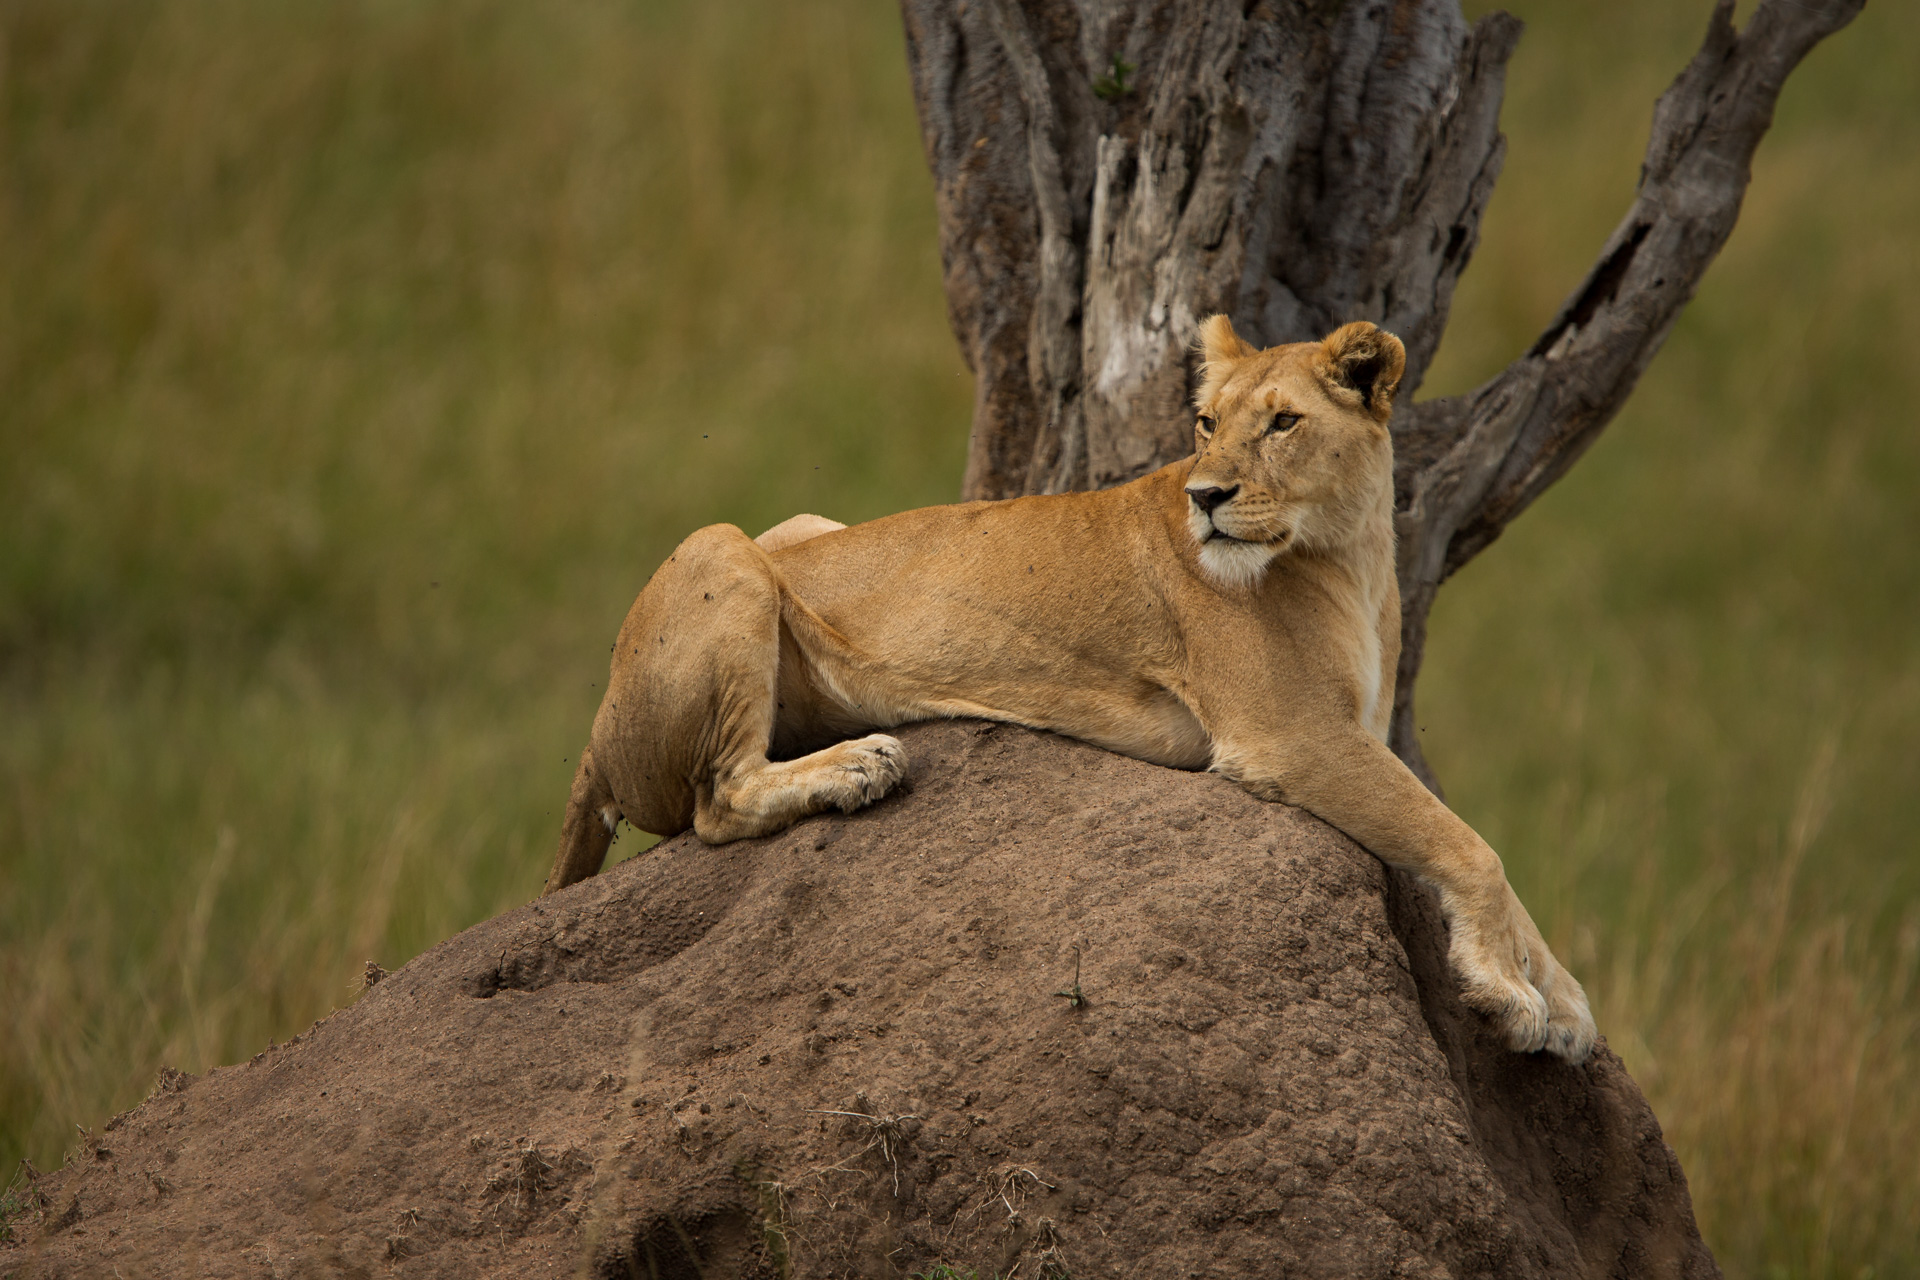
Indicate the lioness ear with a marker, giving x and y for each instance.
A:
(1219, 344)
(1220, 348)
(1362, 364)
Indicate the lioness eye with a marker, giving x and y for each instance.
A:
(1206, 425)
(1283, 422)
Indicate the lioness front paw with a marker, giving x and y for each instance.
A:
(1516, 981)
(1491, 962)
(1570, 1029)
(870, 767)
(1517, 1010)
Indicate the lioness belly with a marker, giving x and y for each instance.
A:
(1154, 726)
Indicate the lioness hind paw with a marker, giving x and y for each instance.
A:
(871, 767)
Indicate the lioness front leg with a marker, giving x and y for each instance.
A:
(1504, 966)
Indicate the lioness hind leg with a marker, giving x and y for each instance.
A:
(713, 673)
(762, 797)
(796, 529)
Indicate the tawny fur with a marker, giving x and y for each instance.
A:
(1258, 638)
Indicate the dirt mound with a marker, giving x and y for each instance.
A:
(856, 1049)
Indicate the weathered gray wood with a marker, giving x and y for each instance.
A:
(1297, 167)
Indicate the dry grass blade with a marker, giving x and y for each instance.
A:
(884, 1131)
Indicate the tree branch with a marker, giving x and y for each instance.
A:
(1466, 466)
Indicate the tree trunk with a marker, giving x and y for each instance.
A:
(1109, 172)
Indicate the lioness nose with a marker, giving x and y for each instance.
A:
(1207, 497)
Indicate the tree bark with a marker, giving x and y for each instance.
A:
(1109, 172)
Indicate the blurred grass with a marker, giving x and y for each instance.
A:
(358, 361)
(1682, 693)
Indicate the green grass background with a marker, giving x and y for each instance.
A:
(359, 360)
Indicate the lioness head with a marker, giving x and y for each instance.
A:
(1291, 443)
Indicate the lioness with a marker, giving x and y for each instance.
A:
(1234, 611)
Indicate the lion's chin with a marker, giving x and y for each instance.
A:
(1233, 562)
